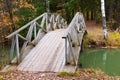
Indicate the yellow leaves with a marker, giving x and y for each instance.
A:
(62, 74)
(113, 39)
(29, 5)
(15, 18)
(26, 5)
(6, 21)
(2, 78)
(116, 34)
(15, 9)
(1, 5)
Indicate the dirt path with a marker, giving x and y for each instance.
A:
(92, 27)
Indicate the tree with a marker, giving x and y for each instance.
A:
(9, 7)
(103, 18)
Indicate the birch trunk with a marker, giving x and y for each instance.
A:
(103, 18)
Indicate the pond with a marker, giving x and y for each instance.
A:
(107, 60)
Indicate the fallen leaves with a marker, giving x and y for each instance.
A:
(81, 74)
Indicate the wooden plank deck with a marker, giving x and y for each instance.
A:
(54, 49)
(48, 54)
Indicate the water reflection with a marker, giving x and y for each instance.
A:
(104, 60)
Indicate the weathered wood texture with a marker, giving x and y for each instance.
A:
(73, 39)
(47, 55)
(51, 51)
(37, 29)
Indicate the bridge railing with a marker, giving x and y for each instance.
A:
(44, 23)
(72, 38)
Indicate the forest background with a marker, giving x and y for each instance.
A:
(15, 13)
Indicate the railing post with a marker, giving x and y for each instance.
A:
(66, 50)
(53, 22)
(77, 35)
(17, 49)
(12, 50)
(47, 22)
(28, 37)
(35, 34)
(43, 21)
(70, 45)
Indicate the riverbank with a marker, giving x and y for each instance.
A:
(95, 38)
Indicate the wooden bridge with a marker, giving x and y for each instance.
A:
(49, 44)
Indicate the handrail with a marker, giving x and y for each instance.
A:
(25, 26)
(49, 22)
(75, 18)
(71, 36)
(70, 25)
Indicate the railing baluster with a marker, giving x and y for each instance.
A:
(40, 28)
(72, 32)
(28, 37)
(66, 51)
(70, 43)
(55, 25)
(77, 36)
(22, 37)
(17, 49)
(53, 22)
(62, 22)
(47, 22)
(12, 49)
(35, 33)
(51, 18)
(43, 21)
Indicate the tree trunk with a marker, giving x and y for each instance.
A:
(92, 15)
(9, 10)
(118, 11)
(103, 18)
(87, 15)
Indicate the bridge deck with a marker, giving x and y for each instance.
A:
(47, 55)
(54, 49)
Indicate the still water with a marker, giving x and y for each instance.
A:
(107, 60)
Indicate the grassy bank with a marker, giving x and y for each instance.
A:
(95, 38)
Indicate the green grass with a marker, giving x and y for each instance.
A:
(4, 56)
(63, 74)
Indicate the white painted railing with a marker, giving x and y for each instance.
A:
(73, 39)
(44, 23)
